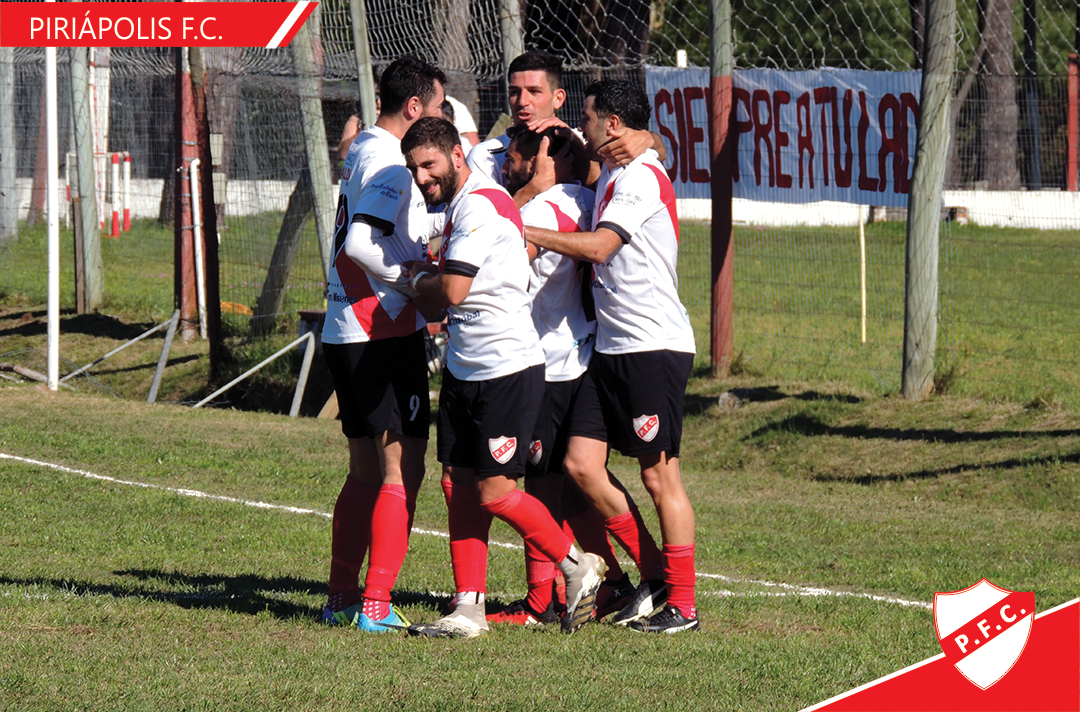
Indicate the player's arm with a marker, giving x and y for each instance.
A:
(361, 248)
(629, 146)
(440, 289)
(596, 246)
(352, 129)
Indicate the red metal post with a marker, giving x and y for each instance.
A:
(722, 323)
(186, 150)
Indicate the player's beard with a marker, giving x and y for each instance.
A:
(447, 187)
(514, 183)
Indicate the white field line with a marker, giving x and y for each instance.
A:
(782, 589)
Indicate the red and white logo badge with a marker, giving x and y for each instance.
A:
(536, 451)
(502, 449)
(983, 629)
(646, 427)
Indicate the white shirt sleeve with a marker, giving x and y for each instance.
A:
(362, 248)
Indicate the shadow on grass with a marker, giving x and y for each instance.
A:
(1011, 463)
(694, 404)
(246, 594)
(34, 323)
(811, 426)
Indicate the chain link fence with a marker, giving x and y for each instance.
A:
(1008, 266)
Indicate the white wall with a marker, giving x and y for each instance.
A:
(1043, 210)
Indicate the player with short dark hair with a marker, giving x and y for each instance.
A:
(492, 383)
(374, 348)
(535, 94)
(644, 352)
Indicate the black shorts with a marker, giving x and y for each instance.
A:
(642, 399)
(381, 385)
(487, 425)
(568, 408)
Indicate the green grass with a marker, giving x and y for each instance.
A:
(121, 597)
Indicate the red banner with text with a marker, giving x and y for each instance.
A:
(831, 134)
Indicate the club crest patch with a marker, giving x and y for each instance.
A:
(983, 629)
(536, 451)
(502, 449)
(646, 427)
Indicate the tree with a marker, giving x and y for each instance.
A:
(999, 119)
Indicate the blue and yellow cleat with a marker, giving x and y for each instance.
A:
(393, 621)
(347, 617)
(353, 617)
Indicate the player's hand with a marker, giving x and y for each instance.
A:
(416, 267)
(621, 150)
(543, 177)
(539, 125)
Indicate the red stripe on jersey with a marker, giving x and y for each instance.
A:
(373, 319)
(667, 195)
(504, 205)
(608, 194)
(566, 223)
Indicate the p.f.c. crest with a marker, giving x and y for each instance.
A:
(983, 629)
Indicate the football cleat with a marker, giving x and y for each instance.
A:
(581, 586)
(466, 621)
(649, 598)
(669, 620)
(613, 596)
(346, 617)
(393, 621)
(520, 613)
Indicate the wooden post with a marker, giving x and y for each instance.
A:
(209, 213)
(364, 71)
(9, 216)
(1073, 110)
(1033, 154)
(722, 150)
(94, 270)
(288, 243)
(924, 202)
(315, 145)
(513, 44)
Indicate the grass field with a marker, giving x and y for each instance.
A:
(1009, 301)
(826, 520)
(828, 510)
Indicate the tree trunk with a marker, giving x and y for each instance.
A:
(999, 120)
(451, 19)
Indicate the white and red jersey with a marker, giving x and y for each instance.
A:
(491, 332)
(637, 289)
(566, 335)
(378, 189)
(488, 157)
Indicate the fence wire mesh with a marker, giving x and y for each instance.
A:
(1007, 276)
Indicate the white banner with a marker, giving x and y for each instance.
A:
(831, 134)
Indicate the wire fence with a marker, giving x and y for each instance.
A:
(1008, 270)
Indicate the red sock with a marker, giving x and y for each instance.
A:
(629, 530)
(588, 529)
(539, 573)
(375, 610)
(349, 541)
(389, 542)
(680, 577)
(532, 520)
(469, 524)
